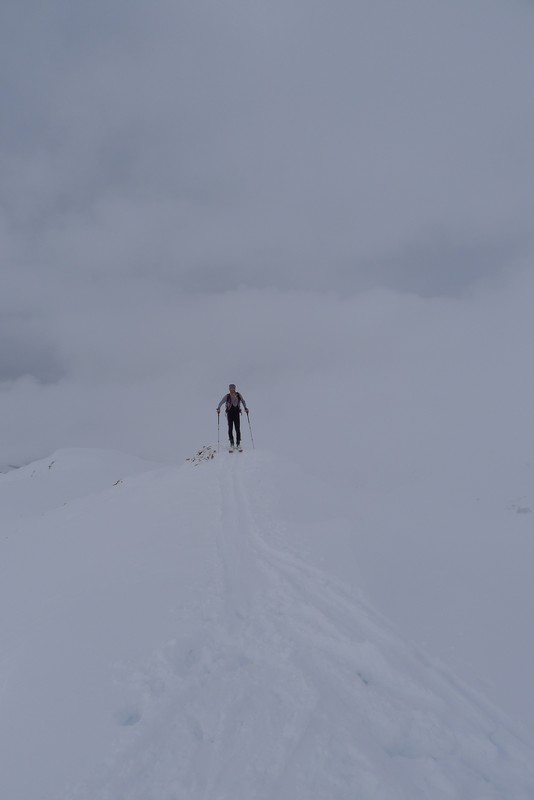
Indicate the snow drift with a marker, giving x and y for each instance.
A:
(176, 633)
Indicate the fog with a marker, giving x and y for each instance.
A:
(329, 205)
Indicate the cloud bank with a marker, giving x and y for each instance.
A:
(298, 197)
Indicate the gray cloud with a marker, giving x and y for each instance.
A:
(405, 379)
(286, 168)
(275, 143)
(23, 353)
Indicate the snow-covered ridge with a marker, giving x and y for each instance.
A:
(64, 476)
(178, 634)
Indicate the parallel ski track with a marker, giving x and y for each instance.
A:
(284, 685)
(334, 646)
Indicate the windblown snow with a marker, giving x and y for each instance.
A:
(175, 633)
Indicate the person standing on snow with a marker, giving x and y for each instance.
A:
(233, 402)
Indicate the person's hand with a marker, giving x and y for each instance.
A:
(218, 410)
(246, 410)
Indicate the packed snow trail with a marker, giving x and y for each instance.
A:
(282, 685)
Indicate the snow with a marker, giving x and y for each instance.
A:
(461, 540)
(204, 631)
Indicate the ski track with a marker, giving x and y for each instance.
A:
(284, 686)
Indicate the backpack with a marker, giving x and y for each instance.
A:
(229, 402)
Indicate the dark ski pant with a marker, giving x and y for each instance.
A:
(234, 420)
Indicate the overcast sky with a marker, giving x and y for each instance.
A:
(176, 177)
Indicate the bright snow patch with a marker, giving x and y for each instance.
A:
(164, 637)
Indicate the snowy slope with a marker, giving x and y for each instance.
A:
(179, 634)
(448, 556)
(64, 476)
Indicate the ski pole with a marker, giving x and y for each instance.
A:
(218, 419)
(250, 429)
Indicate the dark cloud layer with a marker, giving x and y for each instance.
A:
(280, 143)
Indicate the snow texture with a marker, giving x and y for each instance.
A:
(174, 633)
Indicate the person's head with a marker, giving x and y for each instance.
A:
(232, 388)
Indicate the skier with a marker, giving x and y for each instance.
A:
(233, 402)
